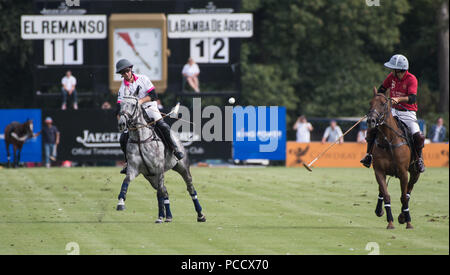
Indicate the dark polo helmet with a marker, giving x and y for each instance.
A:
(122, 64)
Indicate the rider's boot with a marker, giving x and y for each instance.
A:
(165, 130)
(418, 146)
(124, 169)
(370, 138)
(123, 146)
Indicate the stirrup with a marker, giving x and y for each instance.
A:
(367, 160)
(420, 165)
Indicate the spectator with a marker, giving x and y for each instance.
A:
(69, 83)
(303, 128)
(106, 105)
(50, 138)
(333, 133)
(438, 131)
(361, 138)
(190, 72)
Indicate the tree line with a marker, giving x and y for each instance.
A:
(319, 58)
(322, 58)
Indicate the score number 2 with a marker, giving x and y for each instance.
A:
(209, 50)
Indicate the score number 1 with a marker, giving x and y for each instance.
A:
(63, 51)
(209, 50)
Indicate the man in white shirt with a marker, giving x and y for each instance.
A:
(333, 133)
(69, 83)
(190, 72)
(303, 128)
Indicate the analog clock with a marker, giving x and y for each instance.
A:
(142, 39)
(142, 47)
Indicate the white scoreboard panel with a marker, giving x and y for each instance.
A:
(63, 51)
(210, 50)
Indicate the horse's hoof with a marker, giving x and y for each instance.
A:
(379, 213)
(168, 219)
(409, 226)
(202, 218)
(120, 207)
(159, 220)
(401, 218)
(390, 226)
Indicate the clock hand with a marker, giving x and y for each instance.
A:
(126, 37)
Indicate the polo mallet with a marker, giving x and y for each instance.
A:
(172, 114)
(308, 166)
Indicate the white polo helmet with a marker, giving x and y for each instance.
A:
(398, 62)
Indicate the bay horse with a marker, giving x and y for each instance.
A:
(392, 155)
(17, 133)
(147, 155)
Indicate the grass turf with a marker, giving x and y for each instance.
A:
(248, 210)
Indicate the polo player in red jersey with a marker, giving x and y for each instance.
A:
(403, 92)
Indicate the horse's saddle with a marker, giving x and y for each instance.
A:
(157, 130)
(404, 130)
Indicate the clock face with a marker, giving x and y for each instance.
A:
(142, 47)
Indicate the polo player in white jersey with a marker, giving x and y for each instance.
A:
(141, 87)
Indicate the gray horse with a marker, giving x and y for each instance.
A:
(147, 155)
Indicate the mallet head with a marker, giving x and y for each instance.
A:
(307, 167)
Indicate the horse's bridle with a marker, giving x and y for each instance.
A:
(129, 118)
(380, 118)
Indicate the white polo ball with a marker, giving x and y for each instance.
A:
(231, 100)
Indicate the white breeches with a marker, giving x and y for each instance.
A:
(409, 118)
(151, 108)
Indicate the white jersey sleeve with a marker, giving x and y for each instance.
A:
(121, 92)
(147, 87)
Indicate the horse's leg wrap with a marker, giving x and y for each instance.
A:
(123, 190)
(379, 208)
(167, 207)
(387, 206)
(405, 207)
(405, 212)
(161, 213)
(197, 205)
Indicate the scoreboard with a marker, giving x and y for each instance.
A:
(156, 36)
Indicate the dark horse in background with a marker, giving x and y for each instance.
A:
(17, 133)
(393, 155)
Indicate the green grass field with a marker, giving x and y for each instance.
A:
(249, 211)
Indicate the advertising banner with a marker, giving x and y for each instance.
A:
(349, 154)
(89, 135)
(259, 132)
(92, 135)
